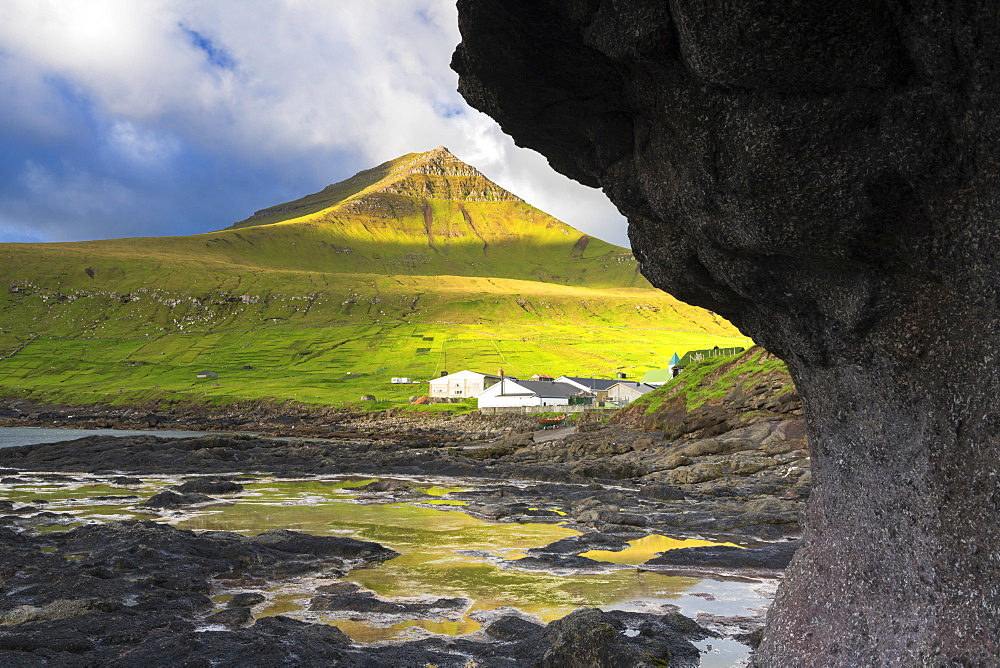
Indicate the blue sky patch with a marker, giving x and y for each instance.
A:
(448, 110)
(217, 55)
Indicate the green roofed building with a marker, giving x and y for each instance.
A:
(657, 376)
(677, 364)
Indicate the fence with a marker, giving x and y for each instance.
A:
(527, 410)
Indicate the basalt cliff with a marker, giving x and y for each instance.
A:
(824, 176)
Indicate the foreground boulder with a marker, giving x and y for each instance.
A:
(823, 175)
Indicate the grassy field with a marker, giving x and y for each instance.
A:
(323, 365)
(396, 273)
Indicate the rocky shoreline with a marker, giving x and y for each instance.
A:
(126, 593)
(736, 470)
(263, 418)
(614, 484)
(135, 593)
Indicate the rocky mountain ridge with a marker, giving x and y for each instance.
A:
(435, 174)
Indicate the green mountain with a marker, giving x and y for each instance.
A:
(418, 266)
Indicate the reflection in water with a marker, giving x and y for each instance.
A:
(429, 541)
(644, 549)
(438, 549)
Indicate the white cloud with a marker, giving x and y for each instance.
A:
(304, 82)
(142, 146)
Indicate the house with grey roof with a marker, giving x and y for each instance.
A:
(513, 392)
(595, 387)
(626, 391)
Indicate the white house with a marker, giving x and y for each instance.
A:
(461, 385)
(510, 392)
(595, 387)
(626, 391)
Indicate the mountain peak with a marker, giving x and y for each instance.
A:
(434, 174)
(438, 162)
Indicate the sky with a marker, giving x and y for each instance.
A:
(124, 118)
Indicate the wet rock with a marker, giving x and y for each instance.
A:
(237, 616)
(23, 510)
(367, 602)
(661, 492)
(168, 499)
(579, 544)
(125, 481)
(138, 584)
(717, 129)
(56, 609)
(271, 641)
(15, 659)
(612, 516)
(337, 546)
(500, 511)
(33, 636)
(245, 600)
(590, 638)
(339, 588)
(773, 555)
(209, 486)
(512, 628)
(545, 562)
(384, 486)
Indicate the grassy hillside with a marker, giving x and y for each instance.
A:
(717, 395)
(416, 267)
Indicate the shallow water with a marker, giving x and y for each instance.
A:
(444, 553)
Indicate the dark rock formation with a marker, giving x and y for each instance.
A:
(209, 486)
(590, 638)
(824, 176)
(170, 499)
(772, 555)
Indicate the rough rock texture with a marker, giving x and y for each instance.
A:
(772, 555)
(824, 176)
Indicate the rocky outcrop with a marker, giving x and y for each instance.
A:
(716, 396)
(822, 175)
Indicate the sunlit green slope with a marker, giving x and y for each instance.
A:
(418, 266)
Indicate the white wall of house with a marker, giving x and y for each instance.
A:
(622, 393)
(515, 395)
(460, 385)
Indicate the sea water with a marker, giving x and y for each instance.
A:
(14, 436)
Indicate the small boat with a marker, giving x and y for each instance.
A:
(551, 420)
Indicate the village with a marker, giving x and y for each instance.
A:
(505, 393)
